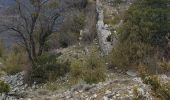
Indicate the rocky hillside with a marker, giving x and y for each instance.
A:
(120, 84)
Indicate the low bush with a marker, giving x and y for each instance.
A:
(67, 38)
(2, 48)
(164, 91)
(14, 61)
(112, 21)
(92, 69)
(77, 69)
(95, 69)
(117, 2)
(70, 29)
(165, 65)
(143, 71)
(4, 88)
(46, 68)
(160, 89)
(153, 81)
(78, 23)
(89, 33)
(126, 55)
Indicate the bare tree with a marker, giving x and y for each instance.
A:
(33, 23)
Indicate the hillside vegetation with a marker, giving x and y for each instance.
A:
(85, 50)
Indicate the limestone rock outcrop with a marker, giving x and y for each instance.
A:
(102, 30)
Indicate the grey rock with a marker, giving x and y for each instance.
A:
(131, 73)
(105, 98)
(16, 84)
(102, 31)
(2, 97)
(108, 92)
(94, 96)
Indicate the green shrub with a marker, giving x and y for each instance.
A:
(153, 81)
(14, 61)
(95, 69)
(46, 68)
(165, 65)
(140, 32)
(164, 91)
(143, 22)
(92, 69)
(77, 69)
(127, 54)
(89, 30)
(118, 1)
(69, 31)
(2, 48)
(112, 21)
(72, 30)
(79, 22)
(161, 90)
(143, 72)
(4, 88)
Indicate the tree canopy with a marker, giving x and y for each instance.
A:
(147, 21)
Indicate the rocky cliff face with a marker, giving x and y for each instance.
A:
(109, 10)
(102, 30)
